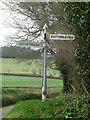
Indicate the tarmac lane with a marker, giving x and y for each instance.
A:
(5, 110)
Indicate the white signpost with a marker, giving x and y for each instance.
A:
(42, 45)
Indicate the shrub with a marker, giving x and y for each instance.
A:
(12, 95)
(34, 72)
(10, 91)
(50, 74)
(39, 71)
(8, 100)
(8, 71)
(63, 107)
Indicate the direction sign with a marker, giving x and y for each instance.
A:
(30, 44)
(61, 37)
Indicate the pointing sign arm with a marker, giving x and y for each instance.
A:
(30, 44)
(62, 37)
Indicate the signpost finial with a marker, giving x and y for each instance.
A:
(45, 27)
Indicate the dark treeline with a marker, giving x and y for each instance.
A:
(16, 52)
(8, 52)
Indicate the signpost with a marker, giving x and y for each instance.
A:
(42, 45)
(39, 45)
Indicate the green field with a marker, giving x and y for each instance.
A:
(8, 81)
(13, 66)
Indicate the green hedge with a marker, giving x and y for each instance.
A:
(69, 106)
(12, 95)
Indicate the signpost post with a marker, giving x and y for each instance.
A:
(44, 65)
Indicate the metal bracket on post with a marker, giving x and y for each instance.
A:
(44, 66)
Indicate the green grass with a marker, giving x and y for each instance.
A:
(12, 95)
(8, 81)
(13, 66)
(68, 106)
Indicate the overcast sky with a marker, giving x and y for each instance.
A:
(4, 31)
(8, 30)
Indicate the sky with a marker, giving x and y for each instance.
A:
(4, 31)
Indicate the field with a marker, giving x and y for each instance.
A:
(13, 66)
(20, 81)
(30, 86)
(28, 95)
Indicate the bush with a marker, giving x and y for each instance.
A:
(10, 91)
(8, 100)
(63, 107)
(12, 95)
(8, 70)
(40, 71)
(28, 96)
(34, 72)
(50, 74)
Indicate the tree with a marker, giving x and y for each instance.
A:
(34, 16)
(18, 53)
(79, 13)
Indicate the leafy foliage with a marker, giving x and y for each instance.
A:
(18, 52)
(64, 69)
(78, 17)
(59, 16)
(12, 95)
(62, 107)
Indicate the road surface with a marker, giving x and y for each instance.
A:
(5, 110)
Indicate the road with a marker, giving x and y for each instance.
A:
(5, 110)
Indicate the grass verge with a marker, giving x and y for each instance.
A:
(68, 106)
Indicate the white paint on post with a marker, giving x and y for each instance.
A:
(44, 66)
